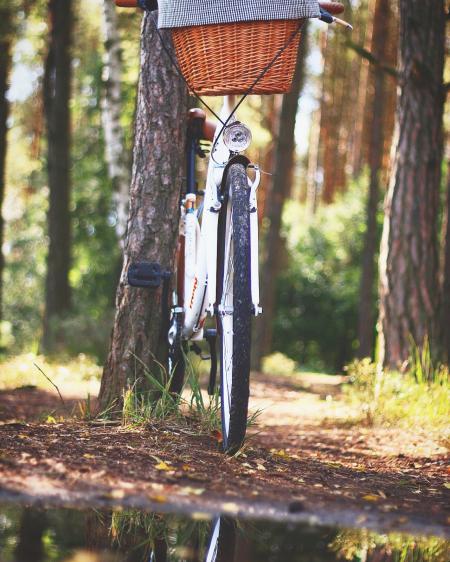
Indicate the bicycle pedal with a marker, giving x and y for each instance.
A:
(147, 275)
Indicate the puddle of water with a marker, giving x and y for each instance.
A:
(30, 534)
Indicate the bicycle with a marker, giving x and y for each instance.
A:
(217, 260)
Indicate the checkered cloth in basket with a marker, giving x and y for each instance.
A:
(182, 13)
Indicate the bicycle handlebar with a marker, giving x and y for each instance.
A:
(328, 10)
(144, 4)
(331, 7)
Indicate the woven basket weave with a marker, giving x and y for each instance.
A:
(223, 59)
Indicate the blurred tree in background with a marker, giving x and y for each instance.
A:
(318, 284)
(6, 42)
(57, 85)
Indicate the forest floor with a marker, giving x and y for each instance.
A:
(307, 459)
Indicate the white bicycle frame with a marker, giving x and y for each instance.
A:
(201, 240)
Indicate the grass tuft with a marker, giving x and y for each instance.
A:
(418, 398)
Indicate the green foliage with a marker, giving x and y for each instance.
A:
(96, 259)
(317, 294)
(422, 366)
(361, 544)
(79, 372)
(278, 364)
(400, 399)
(148, 529)
(159, 403)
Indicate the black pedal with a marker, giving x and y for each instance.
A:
(147, 275)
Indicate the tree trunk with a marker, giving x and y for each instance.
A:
(5, 66)
(366, 293)
(116, 155)
(279, 192)
(30, 544)
(445, 286)
(57, 89)
(158, 168)
(365, 31)
(312, 192)
(409, 248)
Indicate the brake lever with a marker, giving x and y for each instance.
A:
(329, 18)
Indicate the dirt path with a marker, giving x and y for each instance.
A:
(302, 461)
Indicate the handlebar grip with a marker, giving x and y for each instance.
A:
(127, 3)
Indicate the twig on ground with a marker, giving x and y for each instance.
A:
(51, 382)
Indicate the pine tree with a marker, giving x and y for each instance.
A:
(138, 339)
(409, 249)
(284, 159)
(57, 93)
(6, 33)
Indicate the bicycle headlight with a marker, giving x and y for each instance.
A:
(237, 137)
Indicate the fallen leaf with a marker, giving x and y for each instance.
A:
(163, 466)
(371, 498)
(280, 453)
(158, 498)
(217, 435)
(50, 419)
(88, 456)
(447, 485)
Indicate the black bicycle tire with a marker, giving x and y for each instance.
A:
(237, 185)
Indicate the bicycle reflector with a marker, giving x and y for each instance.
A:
(237, 137)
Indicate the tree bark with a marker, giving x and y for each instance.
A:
(445, 285)
(277, 195)
(30, 543)
(158, 168)
(339, 97)
(57, 90)
(380, 43)
(409, 248)
(6, 22)
(116, 155)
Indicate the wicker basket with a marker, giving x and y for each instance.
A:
(227, 58)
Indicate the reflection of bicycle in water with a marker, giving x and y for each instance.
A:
(222, 544)
(217, 265)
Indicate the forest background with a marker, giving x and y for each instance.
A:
(321, 201)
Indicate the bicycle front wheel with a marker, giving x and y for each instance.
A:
(234, 312)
